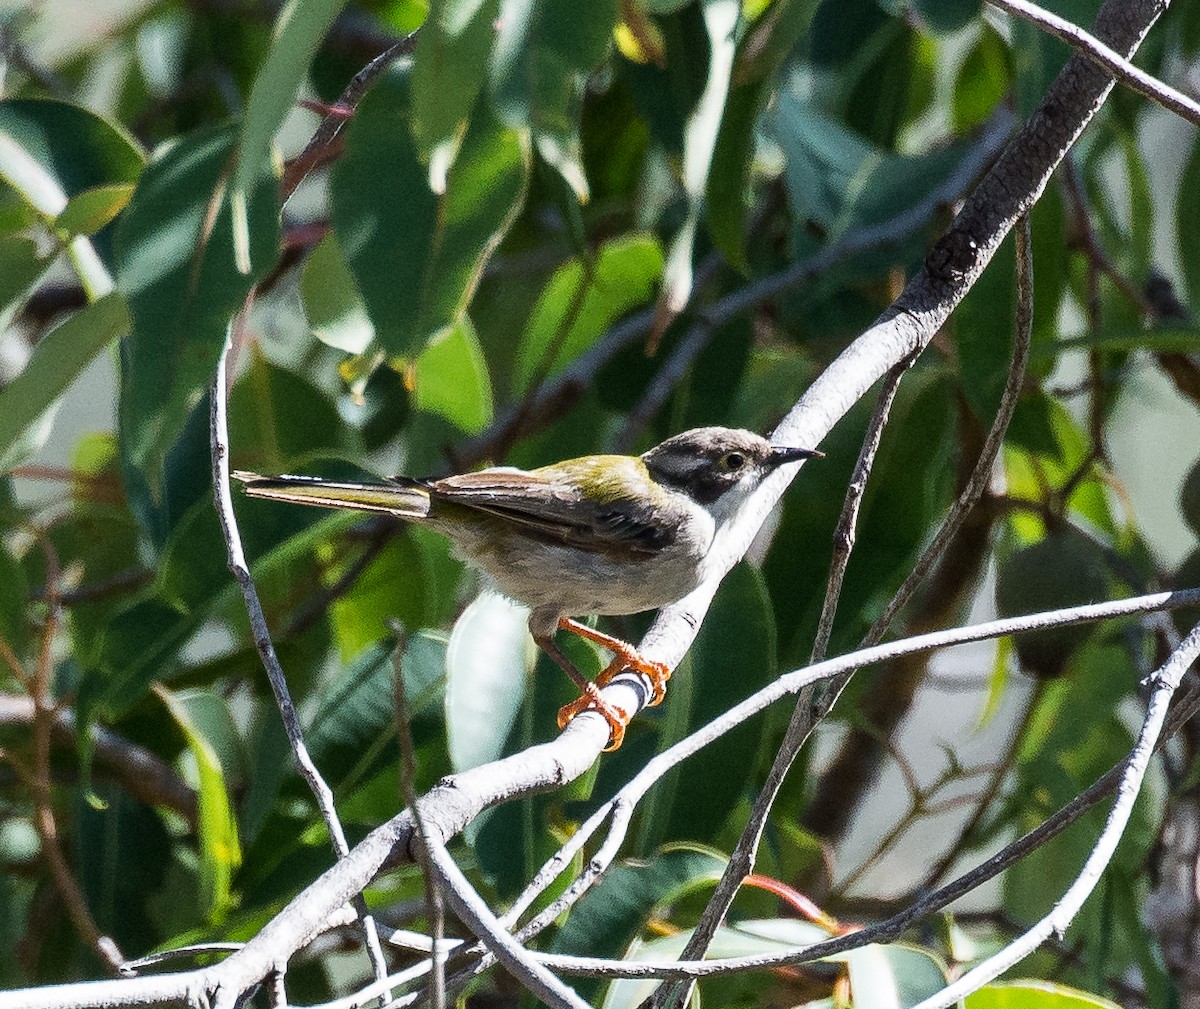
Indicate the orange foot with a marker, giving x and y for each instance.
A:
(627, 658)
(592, 701)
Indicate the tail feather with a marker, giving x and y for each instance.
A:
(407, 500)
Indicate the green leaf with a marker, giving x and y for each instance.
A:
(417, 257)
(298, 31)
(355, 724)
(92, 209)
(56, 362)
(984, 78)
(699, 140)
(449, 67)
(78, 149)
(612, 913)
(452, 379)
(488, 660)
(220, 850)
(394, 586)
(276, 417)
(20, 270)
(761, 50)
(51, 151)
(733, 655)
(946, 16)
(175, 267)
(543, 53)
(334, 308)
(899, 976)
(14, 595)
(1034, 995)
(1187, 227)
(581, 301)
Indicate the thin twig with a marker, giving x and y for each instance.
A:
(40, 780)
(844, 534)
(477, 916)
(981, 476)
(317, 150)
(408, 773)
(1093, 49)
(223, 500)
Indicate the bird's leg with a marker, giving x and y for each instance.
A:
(627, 657)
(590, 699)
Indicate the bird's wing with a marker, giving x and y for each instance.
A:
(544, 503)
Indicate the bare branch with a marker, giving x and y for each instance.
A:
(1100, 54)
(219, 440)
(475, 913)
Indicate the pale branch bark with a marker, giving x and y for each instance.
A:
(223, 499)
(473, 911)
(1100, 54)
(1006, 193)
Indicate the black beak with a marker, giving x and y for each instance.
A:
(781, 454)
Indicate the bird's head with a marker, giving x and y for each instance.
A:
(718, 467)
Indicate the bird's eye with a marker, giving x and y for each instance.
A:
(734, 461)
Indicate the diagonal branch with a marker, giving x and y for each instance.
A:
(1100, 54)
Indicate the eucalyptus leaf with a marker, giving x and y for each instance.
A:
(332, 303)
(417, 256)
(581, 301)
(299, 29)
(175, 267)
(220, 850)
(92, 209)
(1034, 995)
(56, 362)
(541, 57)
(452, 379)
(728, 189)
(488, 661)
(450, 67)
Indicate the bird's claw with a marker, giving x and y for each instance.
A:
(656, 672)
(592, 701)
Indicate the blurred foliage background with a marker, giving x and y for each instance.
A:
(561, 228)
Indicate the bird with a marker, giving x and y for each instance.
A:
(600, 534)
